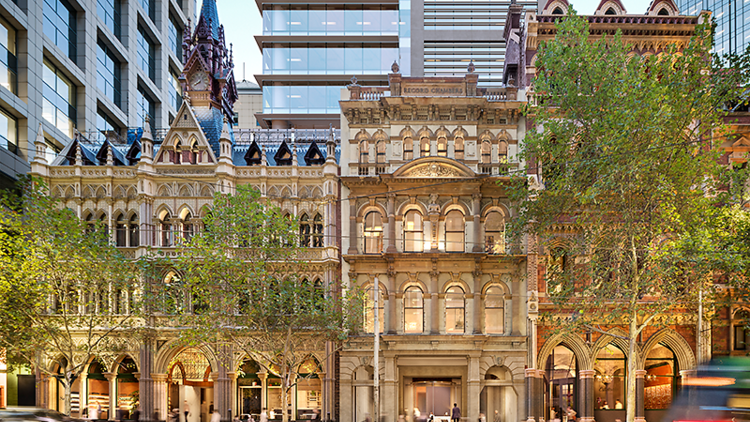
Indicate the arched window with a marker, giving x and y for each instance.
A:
(121, 230)
(413, 310)
(188, 227)
(413, 232)
(364, 153)
(408, 149)
(454, 231)
(662, 381)
(90, 224)
(317, 231)
(103, 223)
(424, 146)
(373, 232)
(454, 310)
(165, 229)
(609, 380)
(133, 231)
(494, 233)
(486, 152)
(117, 301)
(502, 152)
(304, 230)
(370, 307)
(459, 148)
(557, 11)
(173, 296)
(494, 312)
(558, 266)
(380, 150)
(663, 12)
(442, 146)
(561, 380)
(740, 323)
(610, 11)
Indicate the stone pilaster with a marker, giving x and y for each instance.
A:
(352, 227)
(478, 302)
(391, 224)
(263, 376)
(476, 205)
(160, 397)
(586, 400)
(530, 375)
(434, 301)
(113, 405)
(640, 385)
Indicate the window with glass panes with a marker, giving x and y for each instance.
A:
(373, 232)
(8, 61)
(454, 310)
(8, 132)
(413, 232)
(53, 148)
(104, 123)
(149, 6)
(60, 26)
(369, 320)
(175, 37)
(146, 54)
(454, 231)
(108, 73)
(609, 378)
(494, 313)
(109, 13)
(145, 107)
(175, 90)
(413, 310)
(59, 99)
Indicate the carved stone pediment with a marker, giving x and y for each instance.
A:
(434, 167)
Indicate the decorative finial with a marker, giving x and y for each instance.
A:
(186, 97)
(231, 56)
(394, 67)
(511, 81)
(471, 68)
(354, 80)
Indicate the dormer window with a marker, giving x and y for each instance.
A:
(610, 11)
(557, 11)
(253, 155)
(663, 12)
(314, 157)
(283, 156)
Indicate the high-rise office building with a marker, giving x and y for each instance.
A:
(732, 22)
(311, 50)
(97, 67)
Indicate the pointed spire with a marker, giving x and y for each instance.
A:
(147, 136)
(225, 130)
(263, 159)
(40, 147)
(294, 155)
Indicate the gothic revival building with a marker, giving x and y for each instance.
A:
(424, 165)
(151, 192)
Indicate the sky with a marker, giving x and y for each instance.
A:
(242, 22)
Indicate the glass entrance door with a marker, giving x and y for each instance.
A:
(433, 396)
(250, 402)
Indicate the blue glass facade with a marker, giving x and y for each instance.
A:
(301, 99)
(328, 60)
(732, 22)
(322, 21)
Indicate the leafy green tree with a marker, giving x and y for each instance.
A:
(627, 152)
(62, 286)
(242, 273)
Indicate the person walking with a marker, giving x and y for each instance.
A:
(263, 415)
(215, 417)
(186, 410)
(456, 413)
(497, 417)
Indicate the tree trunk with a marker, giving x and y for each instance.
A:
(632, 359)
(68, 385)
(284, 395)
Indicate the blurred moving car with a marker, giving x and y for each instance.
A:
(720, 391)
(21, 414)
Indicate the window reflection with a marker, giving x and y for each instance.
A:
(454, 310)
(318, 20)
(413, 310)
(328, 59)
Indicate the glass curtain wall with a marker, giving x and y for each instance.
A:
(107, 73)
(60, 26)
(322, 20)
(328, 59)
(59, 99)
(8, 132)
(109, 12)
(8, 61)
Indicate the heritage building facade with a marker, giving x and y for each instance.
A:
(151, 192)
(424, 163)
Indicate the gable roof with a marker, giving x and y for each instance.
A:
(188, 120)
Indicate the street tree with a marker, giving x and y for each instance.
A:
(626, 152)
(243, 274)
(66, 293)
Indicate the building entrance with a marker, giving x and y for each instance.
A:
(433, 396)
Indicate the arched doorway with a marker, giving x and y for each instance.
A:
(190, 389)
(498, 398)
(98, 392)
(609, 379)
(560, 382)
(662, 380)
(309, 391)
(249, 390)
(128, 392)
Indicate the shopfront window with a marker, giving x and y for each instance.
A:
(561, 382)
(250, 388)
(609, 378)
(454, 310)
(308, 391)
(413, 310)
(662, 378)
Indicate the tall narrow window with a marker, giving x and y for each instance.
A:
(454, 231)
(108, 73)
(59, 101)
(165, 230)
(413, 232)
(188, 227)
(373, 232)
(9, 132)
(304, 230)
(486, 152)
(109, 13)
(609, 381)
(60, 26)
(317, 231)
(146, 54)
(173, 299)
(8, 60)
(662, 380)
(494, 233)
(175, 38)
(408, 149)
(134, 231)
(121, 230)
(370, 307)
(175, 90)
(145, 107)
(459, 148)
(380, 149)
(442, 146)
(494, 312)
(364, 152)
(502, 152)
(413, 310)
(454, 310)
(424, 146)
(149, 6)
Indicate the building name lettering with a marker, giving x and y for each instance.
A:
(433, 90)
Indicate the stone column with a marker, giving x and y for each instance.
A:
(586, 401)
(146, 385)
(263, 376)
(434, 302)
(222, 392)
(640, 384)
(530, 375)
(113, 405)
(391, 224)
(478, 302)
(352, 227)
(539, 396)
(160, 396)
(476, 205)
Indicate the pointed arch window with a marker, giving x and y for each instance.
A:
(133, 231)
(424, 146)
(610, 11)
(373, 232)
(413, 310)
(561, 380)
(173, 296)
(364, 153)
(609, 378)
(369, 321)
(662, 380)
(304, 230)
(90, 224)
(317, 231)
(459, 148)
(494, 233)
(454, 310)
(454, 231)
(494, 311)
(413, 232)
(188, 227)
(408, 148)
(442, 146)
(121, 230)
(166, 235)
(557, 11)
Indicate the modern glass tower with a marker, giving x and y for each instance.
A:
(732, 22)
